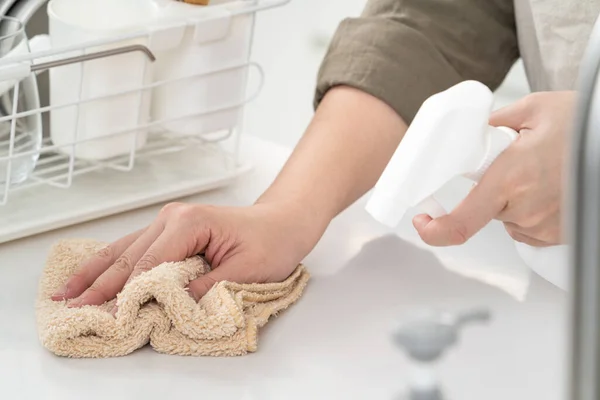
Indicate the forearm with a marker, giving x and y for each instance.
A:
(340, 157)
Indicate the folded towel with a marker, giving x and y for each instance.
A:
(155, 308)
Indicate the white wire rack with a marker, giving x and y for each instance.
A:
(65, 188)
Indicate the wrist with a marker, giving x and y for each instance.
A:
(309, 216)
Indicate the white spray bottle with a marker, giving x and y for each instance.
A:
(449, 137)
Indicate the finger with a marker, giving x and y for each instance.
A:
(113, 279)
(163, 250)
(225, 272)
(169, 246)
(514, 116)
(480, 206)
(92, 268)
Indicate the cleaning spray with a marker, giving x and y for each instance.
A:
(450, 137)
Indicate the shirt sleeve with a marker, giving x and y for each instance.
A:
(403, 51)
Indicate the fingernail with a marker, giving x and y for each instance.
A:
(191, 294)
(74, 303)
(420, 221)
(61, 293)
(114, 310)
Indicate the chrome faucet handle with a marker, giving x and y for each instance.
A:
(425, 336)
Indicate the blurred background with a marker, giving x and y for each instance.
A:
(290, 42)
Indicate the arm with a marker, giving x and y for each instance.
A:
(395, 55)
(340, 157)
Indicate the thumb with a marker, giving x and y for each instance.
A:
(483, 204)
(514, 116)
(224, 272)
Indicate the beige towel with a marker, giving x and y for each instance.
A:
(155, 308)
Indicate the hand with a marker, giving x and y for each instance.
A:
(261, 243)
(523, 187)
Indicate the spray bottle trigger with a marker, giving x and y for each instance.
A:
(432, 207)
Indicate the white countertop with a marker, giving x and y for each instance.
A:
(335, 342)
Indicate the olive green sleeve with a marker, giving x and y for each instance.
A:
(403, 51)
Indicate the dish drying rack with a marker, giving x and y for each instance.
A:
(64, 190)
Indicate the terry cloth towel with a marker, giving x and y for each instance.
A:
(155, 308)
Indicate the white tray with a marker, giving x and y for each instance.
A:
(153, 180)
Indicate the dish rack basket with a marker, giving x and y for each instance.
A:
(64, 188)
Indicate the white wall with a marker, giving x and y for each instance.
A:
(289, 43)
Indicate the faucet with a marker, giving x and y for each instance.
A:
(583, 207)
(425, 336)
(426, 339)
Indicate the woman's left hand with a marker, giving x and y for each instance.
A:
(523, 187)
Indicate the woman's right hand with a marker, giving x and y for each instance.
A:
(340, 157)
(256, 244)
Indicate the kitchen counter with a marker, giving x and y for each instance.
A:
(335, 342)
